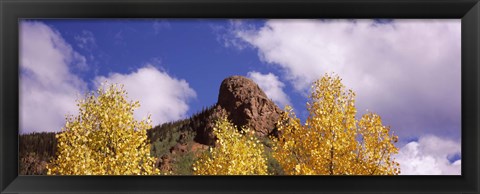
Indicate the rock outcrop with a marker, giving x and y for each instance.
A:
(247, 105)
(242, 101)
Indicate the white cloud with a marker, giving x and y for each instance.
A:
(429, 156)
(86, 40)
(48, 89)
(408, 71)
(272, 87)
(162, 96)
(457, 163)
(227, 35)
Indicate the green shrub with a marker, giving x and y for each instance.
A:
(273, 166)
(184, 164)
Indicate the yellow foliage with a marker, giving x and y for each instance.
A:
(235, 153)
(332, 141)
(104, 139)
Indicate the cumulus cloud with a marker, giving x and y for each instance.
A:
(408, 71)
(429, 156)
(162, 96)
(48, 89)
(272, 87)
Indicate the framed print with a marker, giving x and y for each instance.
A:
(239, 96)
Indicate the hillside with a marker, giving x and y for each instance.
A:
(177, 144)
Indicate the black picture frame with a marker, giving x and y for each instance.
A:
(13, 10)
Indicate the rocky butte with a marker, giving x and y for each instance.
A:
(245, 104)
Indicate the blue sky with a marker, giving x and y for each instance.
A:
(407, 71)
(185, 49)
